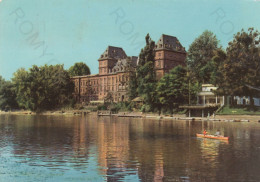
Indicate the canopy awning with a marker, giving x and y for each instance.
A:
(97, 102)
(138, 99)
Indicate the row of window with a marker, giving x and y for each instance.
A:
(101, 89)
(102, 63)
(116, 97)
(85, 83)
(122, 78)
(158, 54)
(102, 70)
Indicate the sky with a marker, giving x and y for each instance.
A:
(65, 32)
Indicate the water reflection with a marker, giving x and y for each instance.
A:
(75, 148)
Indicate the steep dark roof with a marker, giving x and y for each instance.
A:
(169, 43)
(113, 53)
(121, 64)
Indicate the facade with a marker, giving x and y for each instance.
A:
(208, 98)
(169, 53)
(246, 100)
(207, 102)
(113, 76)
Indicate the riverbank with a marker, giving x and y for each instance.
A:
(223, 118)
(67, 112)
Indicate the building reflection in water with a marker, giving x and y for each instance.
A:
(79, 145)
(158, 173)
(122, 148)
(113, 148)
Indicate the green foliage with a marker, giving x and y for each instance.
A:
(102, 107)
(116, 107)
(42, 88)
(132, 91)
(217, 61)
(108, 99)
(7, 95)
(200, 54)
(79, 69)
(70, 104)
(173, 89)
(132, 87)
(241, 68)
(132, 84)
(120, 106)
(227, 110)
(146, 82)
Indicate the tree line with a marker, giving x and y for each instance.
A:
(234, 70)
(40, 87)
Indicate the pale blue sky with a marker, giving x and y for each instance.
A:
(66, 32)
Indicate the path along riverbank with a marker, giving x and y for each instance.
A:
(223, 118)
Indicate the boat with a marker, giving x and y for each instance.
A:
(212, 136)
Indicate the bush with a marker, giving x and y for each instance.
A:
(101, 107)
(78, 106)
(121, 106)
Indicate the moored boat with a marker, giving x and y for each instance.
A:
(212, 137)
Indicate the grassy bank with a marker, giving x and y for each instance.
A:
(227, 110)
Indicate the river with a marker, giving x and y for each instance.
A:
(88, 148)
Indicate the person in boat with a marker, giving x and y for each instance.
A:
(217, 133)
(204, 132)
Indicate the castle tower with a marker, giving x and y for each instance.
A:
(109, 58)
(169, 53)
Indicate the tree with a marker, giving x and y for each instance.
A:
(241, 68)
(79, 69)
(132, 84)
(7, 95)
(146, 81)
(108, 99)
(173, 88)
(42, 88)
(200, 54)
(217, 62)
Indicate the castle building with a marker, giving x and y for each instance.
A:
(113, 75)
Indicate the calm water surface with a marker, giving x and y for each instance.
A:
(76, 148)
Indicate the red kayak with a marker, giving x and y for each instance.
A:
(212, 137)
